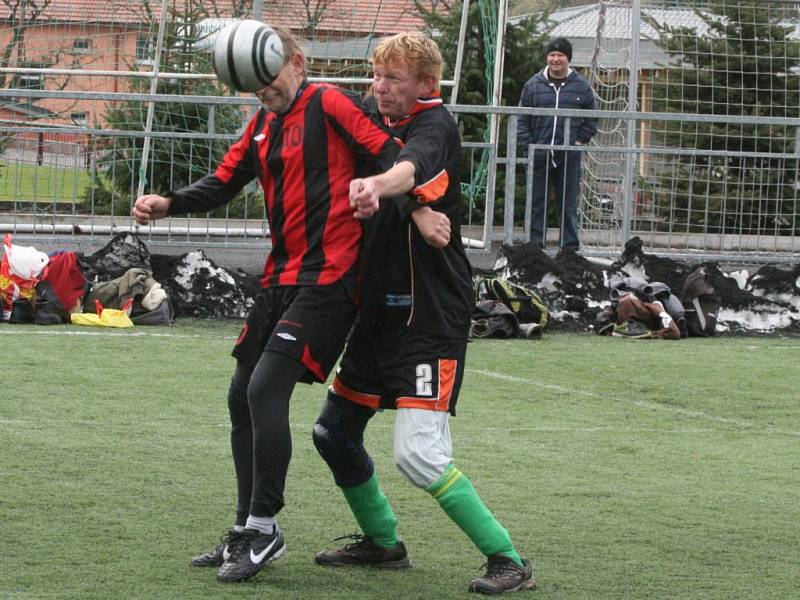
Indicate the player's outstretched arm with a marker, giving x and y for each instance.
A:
(365, 193)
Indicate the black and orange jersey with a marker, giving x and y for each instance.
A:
(304, 160)
(406, 279)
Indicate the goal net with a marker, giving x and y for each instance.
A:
(718, 157)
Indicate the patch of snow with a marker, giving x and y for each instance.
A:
(603, 262)
(789, 299)
(767, 319)
(193, 263)
(581, 290)
(550, 282)
(635, 271)
(561, 315)
(601, 304)
(507, 273)
(740, 277)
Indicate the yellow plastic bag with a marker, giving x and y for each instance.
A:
(109, 317)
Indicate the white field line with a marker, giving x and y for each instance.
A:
(634, 431)
(96, 424)
(695, 414)
(791, 347)
(8, 329)
(389, 425)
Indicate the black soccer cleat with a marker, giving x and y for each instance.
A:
(21, 311)
(46, 313)
(504, 575)
(220, 553)
(364, 551)
(248, 557)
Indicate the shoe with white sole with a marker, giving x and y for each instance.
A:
(256, 550)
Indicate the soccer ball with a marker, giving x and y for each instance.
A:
(248, 55)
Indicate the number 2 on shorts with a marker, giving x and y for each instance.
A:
(424, 379)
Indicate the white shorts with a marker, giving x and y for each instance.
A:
(423, 448)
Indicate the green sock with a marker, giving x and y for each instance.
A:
(456, 495)
(373, 512)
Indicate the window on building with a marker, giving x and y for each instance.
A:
(80, 118)
(29, 81)
(82, 45)
(145, 48)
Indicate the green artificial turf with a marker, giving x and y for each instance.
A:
(622, 468)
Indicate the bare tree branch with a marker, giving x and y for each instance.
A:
(23, 13)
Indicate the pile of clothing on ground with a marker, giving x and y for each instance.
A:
(579, 296)
(651, 308)
(504, 309)
(54, 289)
(532, 292)
(120, 282)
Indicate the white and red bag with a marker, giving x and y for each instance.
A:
(20, 268)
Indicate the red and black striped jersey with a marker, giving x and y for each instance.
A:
(406, 279)
(304, 159)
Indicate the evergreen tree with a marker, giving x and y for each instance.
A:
(524, 55)
(747, 65)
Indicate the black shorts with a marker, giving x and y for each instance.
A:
(307, 323)
(398, 367)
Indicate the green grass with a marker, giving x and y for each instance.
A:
(41, 184)
(622, 468)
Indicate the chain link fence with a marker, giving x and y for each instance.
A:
(698, 104)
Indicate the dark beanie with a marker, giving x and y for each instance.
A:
(559, 45)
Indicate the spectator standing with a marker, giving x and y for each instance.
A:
(557, 85)
(303, 145)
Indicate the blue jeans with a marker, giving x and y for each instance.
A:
(564, 178)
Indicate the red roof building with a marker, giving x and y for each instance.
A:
(112, 35)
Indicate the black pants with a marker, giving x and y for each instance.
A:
(261, 442)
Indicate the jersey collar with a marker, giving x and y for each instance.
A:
(419, 106)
